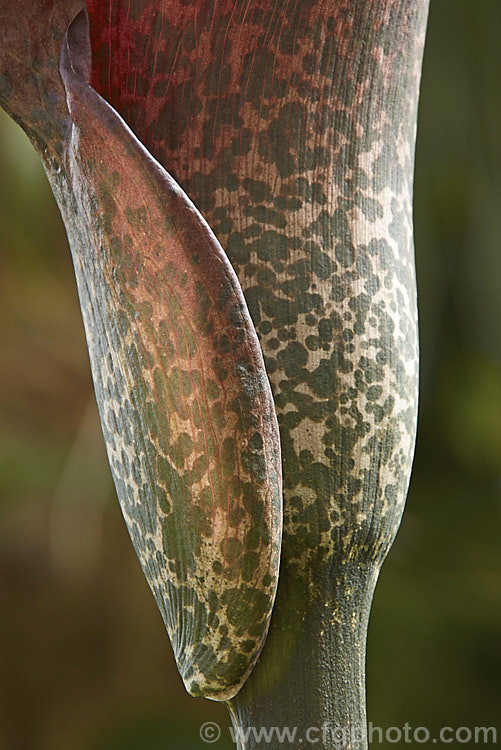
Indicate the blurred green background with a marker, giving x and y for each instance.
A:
(84, 661)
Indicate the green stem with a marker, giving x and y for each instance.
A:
(310, 681)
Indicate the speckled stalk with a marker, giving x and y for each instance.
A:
(344, 371)
(292, 127)
(311, 676)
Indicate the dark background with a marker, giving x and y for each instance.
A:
(84, 660)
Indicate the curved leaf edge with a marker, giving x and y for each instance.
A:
(75, 72)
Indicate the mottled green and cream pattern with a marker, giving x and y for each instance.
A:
(185, 404)
(244, 259)
(291, 126)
